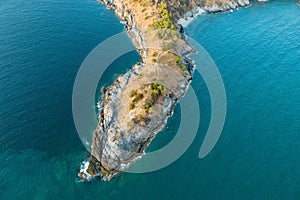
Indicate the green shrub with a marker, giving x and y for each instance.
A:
(116, 137)
(183, 2)
(177, 59)
(131, 106)
(132, 93)
(147, 109)
(154, 54)
(166, 18)
(157, 89)
(137, 97)
(154, 94)
(148, 105)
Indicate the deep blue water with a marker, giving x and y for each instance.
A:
(42, 44)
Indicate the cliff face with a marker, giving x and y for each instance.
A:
(135, 107)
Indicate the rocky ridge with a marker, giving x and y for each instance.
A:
(118, 141)
(136, 106)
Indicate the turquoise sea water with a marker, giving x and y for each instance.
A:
(42, 44)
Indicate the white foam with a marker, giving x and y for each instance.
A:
(83, 169)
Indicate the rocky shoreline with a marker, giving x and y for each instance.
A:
(228, 7)
(136, 106)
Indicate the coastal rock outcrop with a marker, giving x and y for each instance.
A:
(198, 7)
(229, 5)
(136, 106)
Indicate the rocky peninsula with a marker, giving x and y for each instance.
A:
(136, 106)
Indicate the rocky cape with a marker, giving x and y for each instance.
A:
(136, 106)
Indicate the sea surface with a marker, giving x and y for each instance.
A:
(257, 51)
